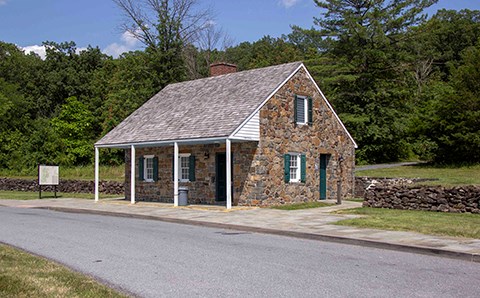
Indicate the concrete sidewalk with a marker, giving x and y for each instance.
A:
(306, 223)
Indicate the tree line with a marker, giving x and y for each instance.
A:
(406, 86)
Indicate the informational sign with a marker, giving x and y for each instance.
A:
(47, 175)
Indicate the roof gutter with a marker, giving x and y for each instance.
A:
(163, 143)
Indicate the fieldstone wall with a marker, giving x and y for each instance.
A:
(258, 167)
(456, 199)
(279, 134)
(363, 184)
(65, 186)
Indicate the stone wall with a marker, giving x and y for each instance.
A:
(456, 199)
(65, 186)
(279, 134)
(362, 184)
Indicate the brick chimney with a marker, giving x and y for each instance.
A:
(221, 68)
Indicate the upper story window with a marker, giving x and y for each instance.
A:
(303, 110)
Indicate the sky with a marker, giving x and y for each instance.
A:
(28, 23)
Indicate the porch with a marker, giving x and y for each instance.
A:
(214, 170)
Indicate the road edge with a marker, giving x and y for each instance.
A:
(471, 257)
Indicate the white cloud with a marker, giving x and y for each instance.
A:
(39, 50)
(3, 2)
(288, 3)
(78, 50)
(128, 43)
(115, 49)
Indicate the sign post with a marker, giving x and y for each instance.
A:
(47, 175)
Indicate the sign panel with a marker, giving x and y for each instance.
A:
(47, 175)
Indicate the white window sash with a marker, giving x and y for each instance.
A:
(297, 167)
(146, 168)
(181, 167)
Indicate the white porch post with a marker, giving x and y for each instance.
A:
(229, 174)
(175, 174)
(96, 173)
(132, 175)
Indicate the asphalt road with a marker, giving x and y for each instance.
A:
(157, 259)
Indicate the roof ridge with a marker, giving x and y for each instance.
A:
(246, 71)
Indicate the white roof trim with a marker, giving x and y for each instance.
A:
(280, 86)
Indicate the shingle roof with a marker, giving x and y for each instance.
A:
(203, 108)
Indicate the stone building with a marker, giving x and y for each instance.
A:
(259, 137)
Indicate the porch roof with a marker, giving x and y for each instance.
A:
(204, 110)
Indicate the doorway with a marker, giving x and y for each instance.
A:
(323, 175)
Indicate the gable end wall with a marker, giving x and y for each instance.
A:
(280, 135)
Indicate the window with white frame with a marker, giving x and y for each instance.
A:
(148, 168)
(302, 110)
(184, 167)
(295, 165)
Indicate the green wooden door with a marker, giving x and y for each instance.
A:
(323, 176)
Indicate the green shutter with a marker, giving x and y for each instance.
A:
(155, 169)
(286, 168)
(310, 111)
(303, 167)
(295, 112)
(191, 168)
(140, 168)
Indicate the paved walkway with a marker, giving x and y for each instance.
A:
(306, 223)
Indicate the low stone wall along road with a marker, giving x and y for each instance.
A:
(157, 259)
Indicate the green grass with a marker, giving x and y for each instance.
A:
(112, 173)
(298, 206)
(28, 195)
(425, 222)
(447, 176)
(25, 275)
(360, 200)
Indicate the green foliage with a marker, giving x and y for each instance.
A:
(456, 127)
(73, 126)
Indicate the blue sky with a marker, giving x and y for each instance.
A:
(28, 23)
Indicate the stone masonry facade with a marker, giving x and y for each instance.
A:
(258, 167)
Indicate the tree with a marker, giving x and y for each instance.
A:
(365, 44)
(165, 27)
(456, 118)
(74, 126)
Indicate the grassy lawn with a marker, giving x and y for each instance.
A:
(28, 195)
(25, 275)
(298, 206)
(426, 222)
(448, 176)
(112, 173)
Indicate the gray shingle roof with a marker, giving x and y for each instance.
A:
(203, 108)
